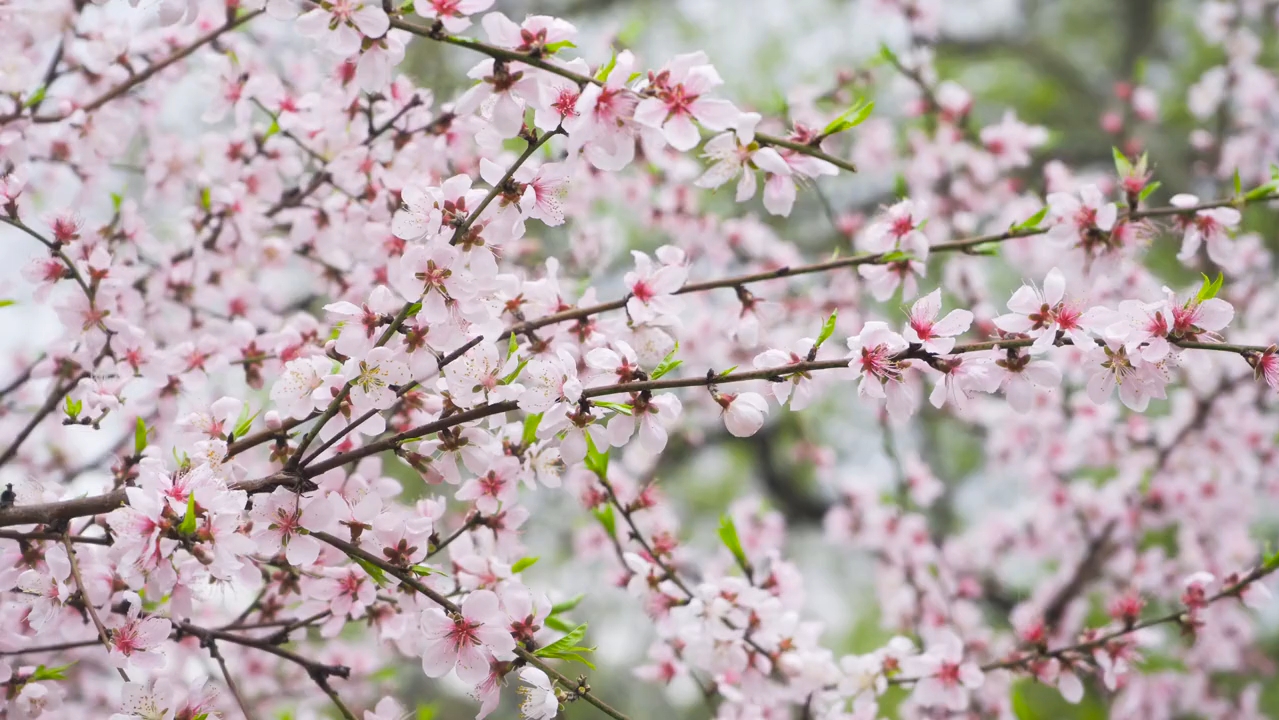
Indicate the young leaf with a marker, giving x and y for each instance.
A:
(206, 199)
(1261, 191)
(828, 329)
(1122, 166)
(43, 673)
(514, 373)
(565, 606)
(1210, 288)
(1148, 190)
(523, 564)
(887, 55)
(139, 437)
(607, 69)
(851, 118)
(555, 623)
(375, 572)
(558, 46)
(728, 534)
(7, 302)
(530, 429)
(596, 461)
(187, 527)
(572, 638)
(275, 128)
(424, 571)
(36, 97)
(667, 364)
(245, 422)
(1033, 221)
(623, 408)
(607, 519)
(1238, 184)
(566, 648)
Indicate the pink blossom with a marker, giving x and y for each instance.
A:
(935, 336)
(1210, 227)
(947, 678)
(677, 99)
(465, 639)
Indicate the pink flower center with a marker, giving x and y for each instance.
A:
(949, 674)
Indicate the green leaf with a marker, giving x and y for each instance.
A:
(414, 309)
(513, 346)
(607, 69)
(116, 201)
(565, 606)
(555, 623)
(596, 461)
(36, 97)
(7, 303)
(1210, 288)
(514, 373)
(1261, 191)
(139, 437)
(728, 534)
(187, 527)
(1148, 191)
(73, 407)
(1238, 184)
(894, 256)
(828, 329)
(43, 673)
(558, 46)
(275, 128)
(607, 519)
(623, 408)
(427, 712)
(201, 716)
(726, 373)
(851, 118)
(375, 572)
(423, 571)
(206, 199)
(1122, 165)
(523, 564)
(1033, 221)
(567, 648)
(1270, 560)
(530, 429)
(667, 364)
(887, 55)
(245, 422)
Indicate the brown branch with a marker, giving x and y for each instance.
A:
(151, 70)
(1062, 653)
(87, 603)
(537, 61)
(81, 507)
(408, 579)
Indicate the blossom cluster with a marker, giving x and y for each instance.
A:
(336, 369)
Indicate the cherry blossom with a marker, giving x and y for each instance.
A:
(1210, 227)
(677, 99)
(947, 678)
(466, 638)
(873, 353)
(935, 336)
(539, 701)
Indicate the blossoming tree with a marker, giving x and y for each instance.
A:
(338, 361)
